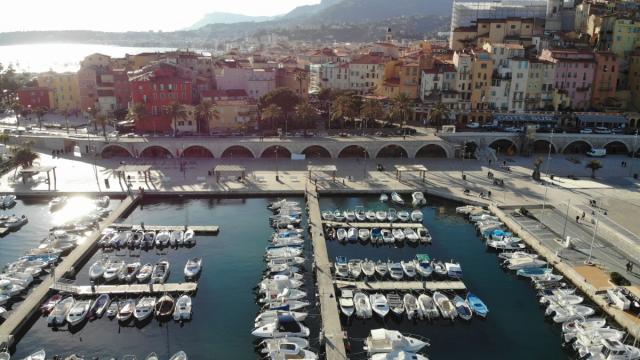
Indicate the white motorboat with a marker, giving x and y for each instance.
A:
(38, 355)
(427, 308)
(424, 235)
(416, 216)
(103, 201)
(287, 350)
(286, 251)
(269, 316)
(163, 238)
(129, 272)
(78, 313)
(362, 305)
(97, 269)
(281, 204)
(192, 268)
(462, 308)
(382, 268)
(286, 304)
(379, 304)
(355, 268)
(594, 334)
(283, 326)
(506, 255)
(395, 270)
(422, 265)
(614, 350)
(392, 215)
(561, 299)
(15, 222)
(398, 355)
(454, 270)
(144, 308)
(352, 234)
(387, 236)
(126, 309)
(149, 239)
(583, 324)
(364, 234)
(506, 244)
(8, 201)
(112, 310)
(370, 215)
(466, 209)
(347, 307)
(381, 215)
(58, 315)
(396, 198)
(327, 215)
(384, 198)
(386, 341)
(368, 267)
(563, 313)
(341, 234)
(411, 236)
(180, 355)
(137, 238)
(182, 311)
(396, 305)
(144, 274)
(398, 234)
(160, 272)
(291, 261)
(445, 305)
(99, 306)
(524, 263)
(279, 282)
(409, 268)
(113, 269)
(404, 215)
(270, 345)
(280, 292)
(176, 238)
(341, 267)
(618, 298)
(410, 306)
(189, 237)
(349, 215)
(417, 199)
(57, 203)
(338, 216)
(5, 355)
(439, 268)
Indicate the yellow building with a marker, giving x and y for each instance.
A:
(626, 37)
(634, 79)
(507, 30)
(235, 115)
(481, 72)
(400, 76)
(64, 90)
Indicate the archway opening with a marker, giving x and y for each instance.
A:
(276, 151)
(197, 151)
(616, 148)
(237, 152)
(112, 151)
(504, 146)
(315, 151)
(542, 147)
(393, 151)
(431, 151)
(353, 151)
(577, 147)
(156, 152)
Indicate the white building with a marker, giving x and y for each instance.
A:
(466, 12)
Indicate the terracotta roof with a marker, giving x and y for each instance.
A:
(368, 59)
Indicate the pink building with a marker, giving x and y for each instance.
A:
(233, 74)
(574, 73)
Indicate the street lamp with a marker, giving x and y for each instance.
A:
(633, 152)
(364, 169)
(593, 239)
(277, 173)
(566, 219)
(549, 156)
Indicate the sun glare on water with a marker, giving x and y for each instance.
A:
(74, 210)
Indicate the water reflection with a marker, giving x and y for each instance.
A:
(74, 210)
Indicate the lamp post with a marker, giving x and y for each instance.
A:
(364, 168)
(277, 173)
(633, 152)
(566, 219)
(593, 240)
(549, 156)
(544, 201)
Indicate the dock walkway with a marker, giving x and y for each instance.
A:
(403, 285)
(198, 229)
(367, 225)
(13, 326)
(128, 289)
(333, 334)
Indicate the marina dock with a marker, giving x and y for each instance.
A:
(20, 316)
(332, 330)
(198, 229)
(366, 225)
(403, 285)
(128, 289)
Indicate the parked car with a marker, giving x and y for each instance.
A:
(473, 125)
(586, 131)
(602, 130)
(513, 129)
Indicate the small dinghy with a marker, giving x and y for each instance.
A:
(409, 268)
(370, 215)
(424, 235)
(352, 235)
(163, 238)
(364, 234)
(410, 306)
(463, 309)
(381, 215)
(477, 306)
(144, 308)
(387, 236)
(327, 216)
(395, 304)
(423, 265)
(126, 310)
(417, 199)
(50, 304)
(144, 274)
(398, 234)
(362, 305)
(58, 315)
(341, 267)
(341, 234)
(379, 304)
(347, 306)
(392, 215)
(416, 216)
(189, 238)
(445, 306)
(177, 238)
(160, 272)
(381, 268)
(129, 272)
(97, 269)
(439, 268)
(427, 308)
(164, 306)
(384, 198)
(411, 236)
(404, 215)
(349, 215)
(192, 268)
(182, 311)
(395, 271)
(368, 267)
(396, 198)
(355, 268)
(38, 355)
(180, 355)
(99, 306)
(112, 310)
(78, 312)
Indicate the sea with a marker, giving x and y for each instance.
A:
(224, 307)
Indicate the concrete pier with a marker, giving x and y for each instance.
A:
(333, 335)
(20, 316)
(128, 289)
(380, 225)
(197, 229)
(403, 285)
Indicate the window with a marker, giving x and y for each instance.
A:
(513, 26)
(613, 68)
(483, 66)
(584, 76)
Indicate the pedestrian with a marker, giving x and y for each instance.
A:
(583, 214)
(622, 164)
(627, 265)
(577, 219)
(630, 266)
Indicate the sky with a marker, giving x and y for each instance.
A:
(128, 15)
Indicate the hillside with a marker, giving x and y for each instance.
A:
(226, 18)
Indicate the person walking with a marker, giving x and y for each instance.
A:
(577, 219)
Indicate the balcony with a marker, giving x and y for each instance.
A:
(583, 88)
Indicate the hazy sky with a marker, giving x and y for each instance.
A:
(122, 15)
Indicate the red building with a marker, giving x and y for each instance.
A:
(34, 97)
(157, 86)
(121, 88)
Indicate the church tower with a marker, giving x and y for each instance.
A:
(553, 21)
(388, 37)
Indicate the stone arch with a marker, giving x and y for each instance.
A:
(504, 146)
(353, 151)
(237, 151)
(197, 151)
(316, 151)
(392, 151)
(431, 151)
(577, 147)
(617, 147)
(113, 150)
(156, 151)
(469, 149)
(541, 146)
(270, 152)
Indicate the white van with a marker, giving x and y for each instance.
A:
(597, 152)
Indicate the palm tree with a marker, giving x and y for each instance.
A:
(272, 113)
(136, 113)
(304, 112)
(17, 110)
(401, 107)
(93, 112)
(176, 111)
(438, 113)
(205, 112)
(102, 121)
(300, 77)
(23, 156)
(371, 110)
(594, 165)
(40, 112)
(343, 108)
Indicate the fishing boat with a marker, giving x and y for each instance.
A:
(417, 199)
(112, 310)
(410, 306)
(97, 269)
(341, 267)
(392, 215)
(424, 235)
(386, 341)
(163, 238)
(370, 215)
(477, 306)
(427, 308)
(99, 306)
(395, 270)
(364, 234)
(341, 234)
(160, 272)
(409, 268)
(192, 268)
(416, 216)
(113, 269)
(530, 272)
(404, 215)
(182, 310)
(422, 265)
(368, 267)
(352, 235)
(355, 268)
(273, 345)
(164, 306)
(144, 274)
(180, 355)
(289, 350)
(349, 215)
(129, 272)
(50, 304)
(269, 316)
(396, 198)
(583, 324)
(618, 298)
(15, 222)
(398, 234)
(411, 236)
(284, 325)
(57, 202)
(381, 268)
(387, 236)
(444, 305)
(563, 313)
(58, 315)
(613, 350)
(38, 355)
(126, 310)
(398, 355)
(78, 313)
(176, 238)
(381, 215)
(152, 356)
(463, 309)
(362, 305)
(396, 305)
(506, 255)
(347, 306)
(454, 270)
(384, 198)
(144, 308)
(379, 304)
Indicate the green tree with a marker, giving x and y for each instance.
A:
(286, 99)
(137, 113)
(345, 107)
(23, 156)
(305, 112)
(594, 165)
(371, 110)
(300, 77)
(205, 113)
(102, 121)
(438, 114)
(272, 114)
(401, 107)
(40, 113)
(176, 111)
